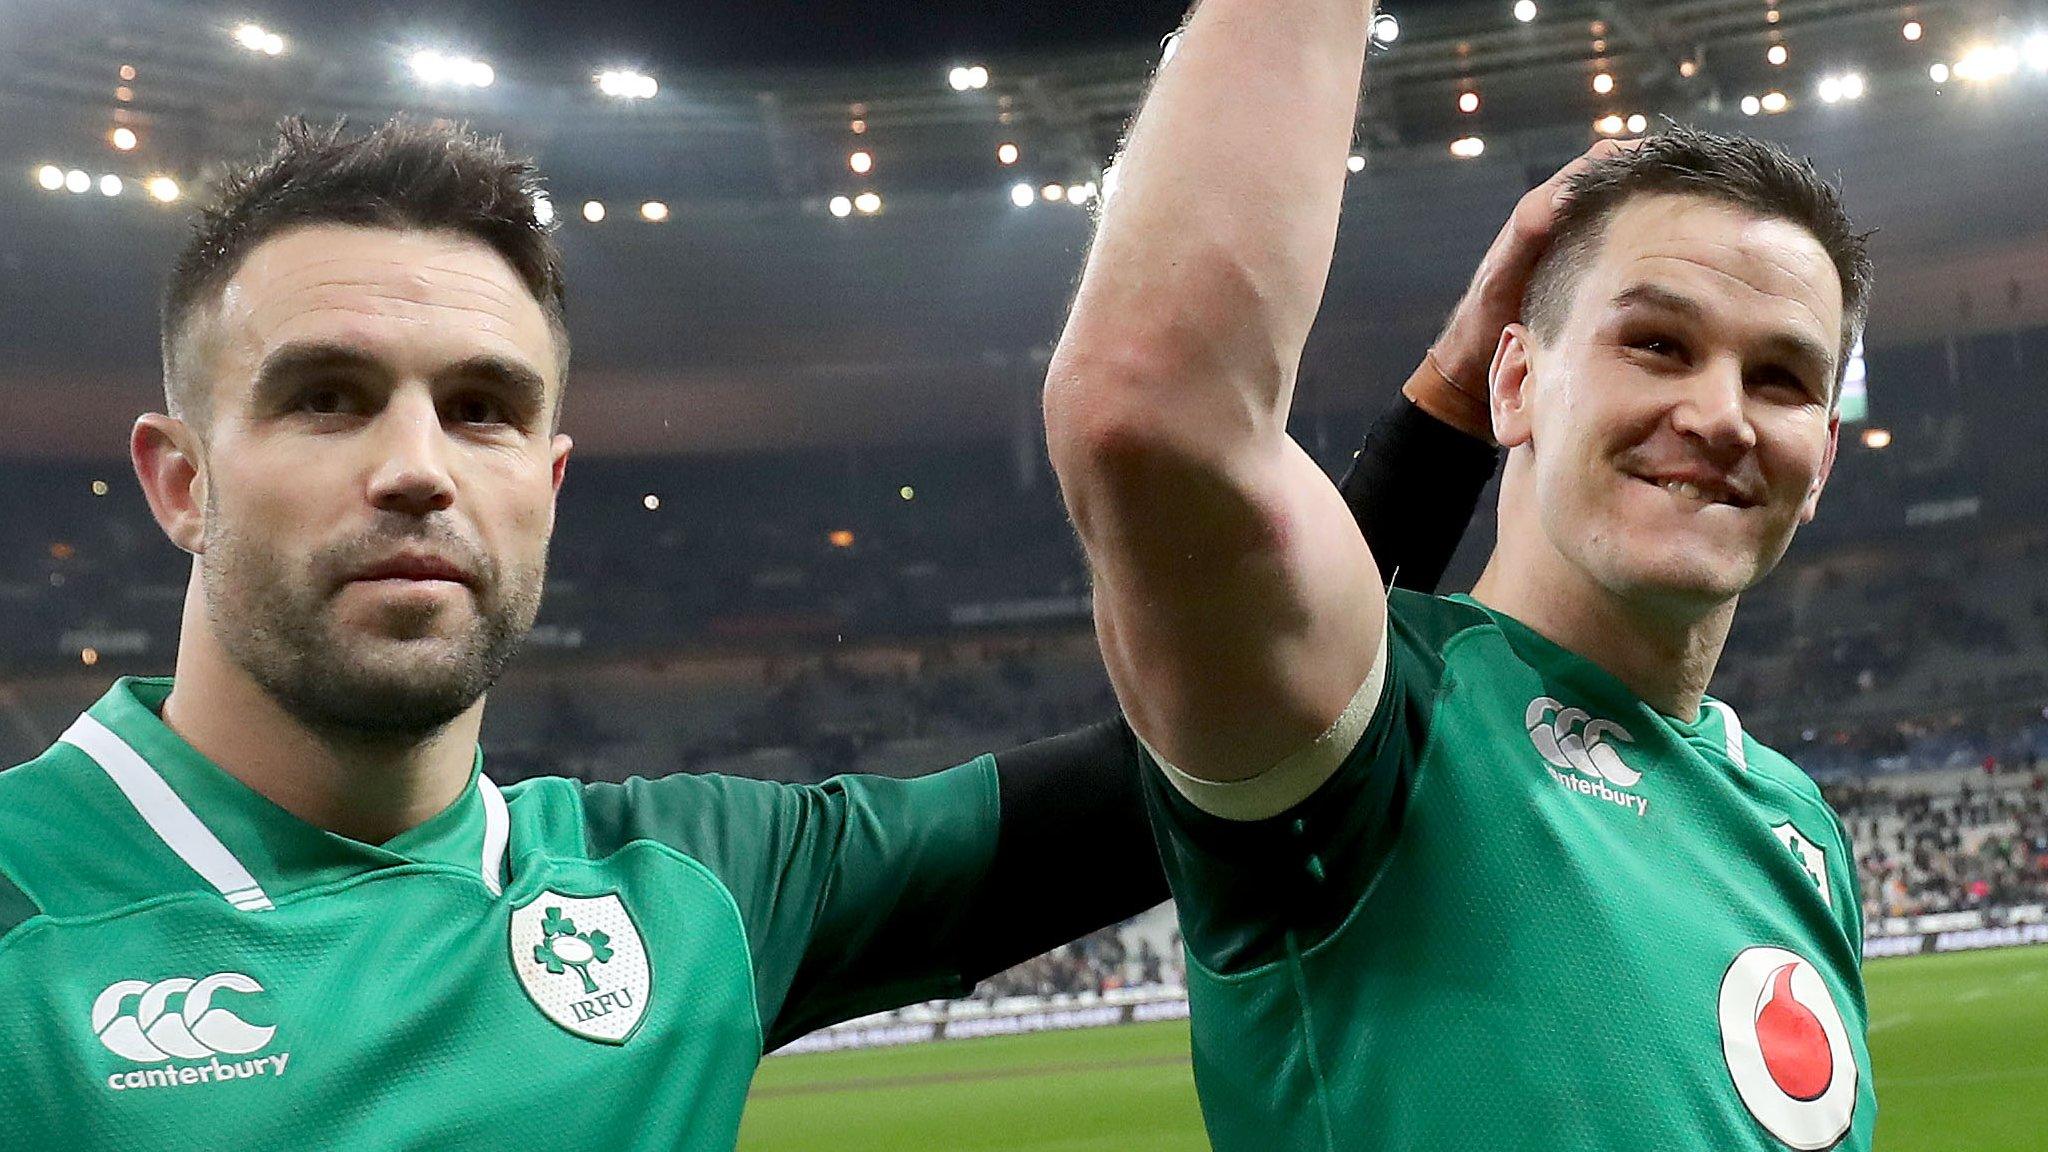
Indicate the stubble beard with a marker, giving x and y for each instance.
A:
(281, 628)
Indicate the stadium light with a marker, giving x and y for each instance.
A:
(1525, 10)
(110, 185)
(436, 69)
(1007, 154)
(1354, 163)
(1987, 62)
(1385, 29)
(1467, 147)
(543, 209)
(77, 181)
(626, 84)
(593, 211)
(1777, 55)
(1911, 31)
(840, 538)
(2035, 50)
(654, 211)
(1609, 125)
(256, 38)
(1775, 102)
(1053, 192)
(1938, 72)
(841, 206)
(968, 78)
(651, 502)
(907, 492)
(1835, 89)
(99, 488)
(1637, 124)
(868, 203)
(862, 163)
(50, 177)
(1022, 195)
(123, 139)
(1875, 438)
(164, 189)
(1468, 102)
(1080, 193)
(1603, 83)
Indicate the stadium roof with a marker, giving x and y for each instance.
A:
(753, 313)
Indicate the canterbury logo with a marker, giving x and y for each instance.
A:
(1572, 740)
(133, 1018)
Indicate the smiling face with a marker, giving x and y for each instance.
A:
(1678, 427)
(378, 472)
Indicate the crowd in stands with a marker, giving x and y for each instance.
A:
(1976, 841)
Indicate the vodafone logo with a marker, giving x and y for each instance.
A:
(1787, 1048)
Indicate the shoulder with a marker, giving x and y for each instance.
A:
(44, 804)
(1434, 621)
(1778, 768)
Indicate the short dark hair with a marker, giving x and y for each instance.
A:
(1754, 175)
(404, 174)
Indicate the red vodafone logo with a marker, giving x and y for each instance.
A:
(1787, 1048)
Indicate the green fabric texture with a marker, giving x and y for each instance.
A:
(617, 993)
(1529, 912)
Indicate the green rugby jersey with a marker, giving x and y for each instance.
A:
(558, 965)
(1528, 911)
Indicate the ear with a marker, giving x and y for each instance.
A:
(1508, 388)
(1827, 468)
(560, 447)
(171, 466)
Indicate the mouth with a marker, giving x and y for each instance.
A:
(1701, 491)
(414, 570)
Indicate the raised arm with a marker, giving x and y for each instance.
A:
(1237, 605)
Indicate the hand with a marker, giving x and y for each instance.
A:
(1464, 351)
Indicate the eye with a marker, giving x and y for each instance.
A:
(1783, 382)
(322, 400)
(478, 408)
(1657, 346)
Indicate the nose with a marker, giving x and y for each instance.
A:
(1713, 409)
(411, 473)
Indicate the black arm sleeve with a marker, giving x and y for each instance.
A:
(1413, 488)
(1075, 850)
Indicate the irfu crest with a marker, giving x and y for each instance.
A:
(583, 963)
(563, 947)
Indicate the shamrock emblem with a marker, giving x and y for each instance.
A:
(562, 947)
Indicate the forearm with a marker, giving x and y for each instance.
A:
(1075, 851)
(1211, 256)
(1413, 487)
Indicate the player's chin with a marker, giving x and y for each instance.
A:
(1693, 574)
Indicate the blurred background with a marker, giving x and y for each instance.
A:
(817, 255)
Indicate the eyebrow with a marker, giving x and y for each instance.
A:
(282, 367)
(1794, 346)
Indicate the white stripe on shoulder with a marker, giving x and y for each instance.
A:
(497, 830)
(1731, 725)
(1296, 778)
(168, 816)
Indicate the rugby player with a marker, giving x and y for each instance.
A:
(275, 901)
(1487, 871)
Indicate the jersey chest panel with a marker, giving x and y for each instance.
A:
(1543, 959)
(389, 1012)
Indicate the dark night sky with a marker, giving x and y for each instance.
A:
(744, 32)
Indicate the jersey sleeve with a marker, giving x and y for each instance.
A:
(845, 888)
(1245, 886)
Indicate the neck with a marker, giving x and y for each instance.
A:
(1664, 656)
(368, 790)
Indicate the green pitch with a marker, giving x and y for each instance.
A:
(1959, 1043)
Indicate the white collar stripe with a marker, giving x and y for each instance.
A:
(497, 830)
(1732, 729)
(168, 816)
